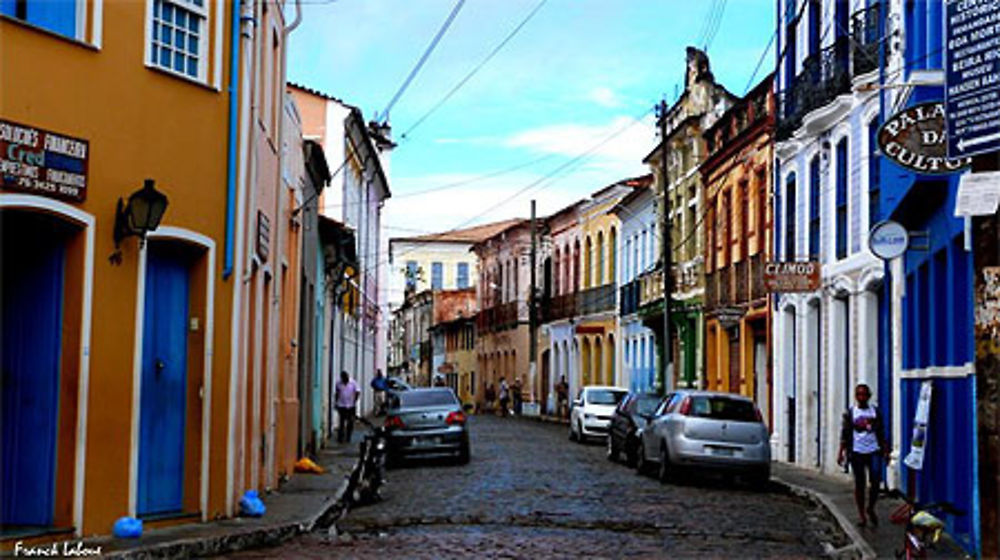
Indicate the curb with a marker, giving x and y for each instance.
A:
(259, 537)
(859, 544)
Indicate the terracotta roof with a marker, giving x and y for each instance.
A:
(318, 93)
(474, 234)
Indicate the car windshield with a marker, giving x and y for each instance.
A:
(723, 408)
(646, 404)
(420, 399)
(604, 396)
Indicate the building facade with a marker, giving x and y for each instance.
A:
(737, 174)
(453, 335)
(680, 192)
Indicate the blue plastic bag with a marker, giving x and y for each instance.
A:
(251, 505)
(127, 528)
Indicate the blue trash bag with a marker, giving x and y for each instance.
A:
(251, 505)
(127, 528)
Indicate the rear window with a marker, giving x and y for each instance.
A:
(604, 396)
(723, 408)
(647, 404)
(418, 399)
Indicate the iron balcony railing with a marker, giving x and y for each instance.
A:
(497, 318)
(596, 300)
(866, 32)
(711, 290)
(559, 307)
(757, 277)
(742, 282)
(824, 76)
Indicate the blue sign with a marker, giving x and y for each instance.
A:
(972, 77)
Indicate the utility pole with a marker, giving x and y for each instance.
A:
(532, 315)
(667, 372)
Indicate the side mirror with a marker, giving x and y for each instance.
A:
(578, 402)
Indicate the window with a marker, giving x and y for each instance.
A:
(600, 260)
(178, 39)
(842, 198)
(874, 175)
(790, 217)
(815, 16)
(462, 276)
(814, 208)
(411, 275)
(437, 276)
(58, 16)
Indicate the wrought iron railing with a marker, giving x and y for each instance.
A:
(560, 307)
(867, 35)
(824, 76)
(757, 277)
(596, 300)
(742, 282)
(711, 290)
(629, 298)
(497, 318)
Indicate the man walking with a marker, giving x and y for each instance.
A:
(562, 398)
(347, 406)
(504, 396)
(861, 441)
(379, 386)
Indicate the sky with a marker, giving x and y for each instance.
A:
(564, 109)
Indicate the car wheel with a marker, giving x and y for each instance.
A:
(665, 471)
(641, 464)
(612, 453)
(572, 432)
(630, 454)
(463, 454)
(580, 438)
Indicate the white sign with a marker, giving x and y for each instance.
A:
(978, 194)
(888, 240)
(915, 458)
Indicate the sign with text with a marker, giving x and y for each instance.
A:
(40, 162)
(914, 138)
(791, 277)
(978, 194)
(972, 76)
(888, 240)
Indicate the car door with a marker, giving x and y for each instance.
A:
(619, 420)
(649, 435)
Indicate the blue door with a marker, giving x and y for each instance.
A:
(164, 383)
(31, 306)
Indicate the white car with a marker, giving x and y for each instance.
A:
(590, 415)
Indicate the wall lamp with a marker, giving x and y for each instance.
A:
(139, 216)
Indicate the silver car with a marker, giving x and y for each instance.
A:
(426, 422)
(705, 429)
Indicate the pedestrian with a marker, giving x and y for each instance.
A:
(504, 396)
(516, 396)
(862, 440)
(562, 398)
(347, 393)
(490, 394)
(379, 386)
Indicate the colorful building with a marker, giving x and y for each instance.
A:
(737, 174)
(117, 350)
(681, 191)
(453, 336)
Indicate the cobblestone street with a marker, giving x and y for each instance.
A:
(528, 491)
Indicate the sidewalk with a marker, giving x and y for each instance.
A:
(292, 509)
(836, 493)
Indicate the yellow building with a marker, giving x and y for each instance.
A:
(123, 347)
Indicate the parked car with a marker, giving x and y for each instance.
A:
(426, 422)
(591, 412)
(630, 417)
(704, 429)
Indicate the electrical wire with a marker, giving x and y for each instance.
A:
(405, 136)
(423, 58)
(717, 24)
(760, 62)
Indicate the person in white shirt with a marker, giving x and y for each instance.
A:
(347, 393)
(862, 441)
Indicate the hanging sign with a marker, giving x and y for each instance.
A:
(972, 76)
(888, 240)
(44, 163)
(918, 445)
(915, 138)
(791, 277)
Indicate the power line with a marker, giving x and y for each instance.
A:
(423, 58)
(760, 62)
(476, 69)
(716, 25)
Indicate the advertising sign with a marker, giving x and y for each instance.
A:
(915, 458)
(914, 138)
(888, 240)
(791, 277)
(972, 76)
(44, 163)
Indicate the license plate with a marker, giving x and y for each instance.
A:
(426, 442)
(721, 451)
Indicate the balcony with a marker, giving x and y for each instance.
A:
(824, 76)
(497, 318)
(742, 282)
(597, 300)
(559, 307)
(757, 277)
(629, 298)
(735, 285)
(866, 31)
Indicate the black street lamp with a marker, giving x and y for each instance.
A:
(139, 216)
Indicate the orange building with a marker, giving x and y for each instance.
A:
(737, 176)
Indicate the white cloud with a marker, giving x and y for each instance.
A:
(605, 97)
(631, 142)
